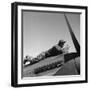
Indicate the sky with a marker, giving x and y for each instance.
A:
(42, 30)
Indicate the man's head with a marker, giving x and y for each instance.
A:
(61, 43)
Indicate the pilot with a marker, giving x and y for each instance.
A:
(55, 50)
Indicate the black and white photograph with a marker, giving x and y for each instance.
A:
(50, 44)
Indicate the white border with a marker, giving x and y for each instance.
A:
(82, 43)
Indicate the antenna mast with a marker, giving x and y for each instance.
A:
(76, 44)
